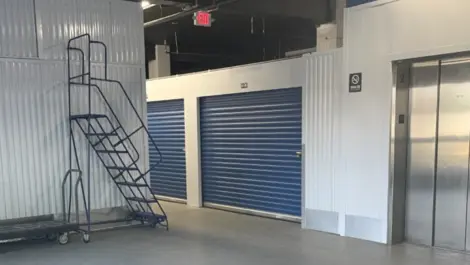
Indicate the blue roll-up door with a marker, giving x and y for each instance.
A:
(249, 150)
(166, 126)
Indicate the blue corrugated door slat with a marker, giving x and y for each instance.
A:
(249, 150)
(166, 126)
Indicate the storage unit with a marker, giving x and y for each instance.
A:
(166, 126)
(250, 145)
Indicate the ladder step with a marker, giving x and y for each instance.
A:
(131, 184)
(148, 216)
(141, 199)
(87, 116)
(122, 168)
(112, 151)
(77, 76)
(101, 134)
(118, 175)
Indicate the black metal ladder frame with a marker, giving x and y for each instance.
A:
(87, 80)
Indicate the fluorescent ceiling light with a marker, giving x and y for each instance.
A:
(146, 4)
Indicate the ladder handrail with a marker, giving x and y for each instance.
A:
(137, 114)
(69, 47)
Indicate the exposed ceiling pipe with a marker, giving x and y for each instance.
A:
(186, 13)
(176, 43)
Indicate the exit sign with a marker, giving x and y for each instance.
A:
(203, 19)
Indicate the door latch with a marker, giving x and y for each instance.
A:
(298, 154)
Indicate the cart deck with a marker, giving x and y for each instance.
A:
(30, 228)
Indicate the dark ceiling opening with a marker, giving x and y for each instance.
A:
(243, 31)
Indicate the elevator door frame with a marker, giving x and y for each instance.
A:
(397, 184)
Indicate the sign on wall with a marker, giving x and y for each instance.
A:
(203, 19)
(352, 3)
(355, 82)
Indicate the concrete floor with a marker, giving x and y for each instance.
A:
(210, 237)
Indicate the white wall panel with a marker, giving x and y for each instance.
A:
(17, 29)
(56, 24)
(94, 18)
(34, 136)
(322, 121)
(118, 24)
(127, 33)
(259, 76)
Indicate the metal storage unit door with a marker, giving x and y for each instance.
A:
(166, 126)
(249, 150)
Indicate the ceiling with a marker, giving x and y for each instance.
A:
(244, 31)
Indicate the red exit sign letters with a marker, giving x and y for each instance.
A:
(203, 19)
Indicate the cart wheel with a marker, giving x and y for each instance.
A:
(86, 238)
(153, 224)
(51, 237)
(64, 238)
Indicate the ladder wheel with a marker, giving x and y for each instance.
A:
(64, 238)
(86, 238)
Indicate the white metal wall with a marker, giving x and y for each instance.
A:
(322, 141)
(127, 42)
(33, 96)
(117, 23)
(34, 137)
(17, 29)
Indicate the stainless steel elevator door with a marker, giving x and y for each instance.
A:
(452, 155)
(421, 153)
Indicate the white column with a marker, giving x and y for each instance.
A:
(339, 21)
(161, 66)
(327, 38)
(330, 35)
(193, 152)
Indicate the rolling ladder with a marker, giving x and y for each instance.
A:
(109, 138)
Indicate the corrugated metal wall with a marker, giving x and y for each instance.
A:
(34, 138)
(33, 97)
(128, 43)
(166, 126)
(17, 29)
(249, 143)
(117, 23)
(322, 132)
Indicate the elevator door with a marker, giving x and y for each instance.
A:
(452, 155)
(437, 186)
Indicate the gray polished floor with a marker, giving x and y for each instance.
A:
(210, 237)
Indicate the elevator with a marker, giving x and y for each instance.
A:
(436, 121)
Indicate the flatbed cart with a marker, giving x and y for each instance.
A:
(46, 226)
